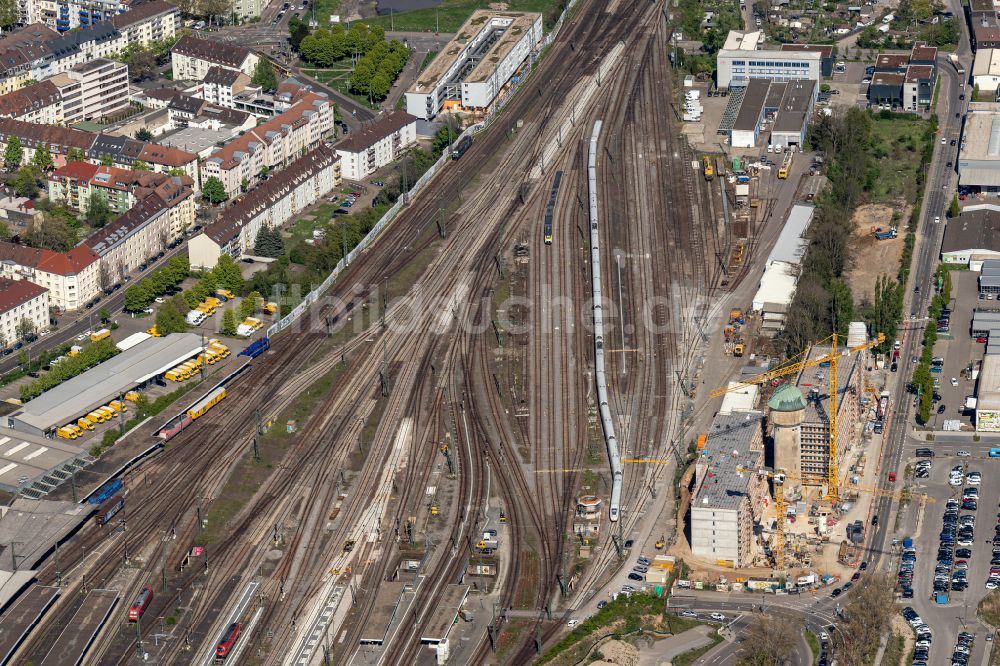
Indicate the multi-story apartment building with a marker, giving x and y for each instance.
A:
(80, 46)
(273, 203)
(222, 85)
(37, 103)
(20, 300)
(72, 278)
(102, 90)
(149, 21)
(379, 143)
(88, 91)
(132, 239)
(191, 58)
(65, 15)
(59, 140)
(124, 152)
(75, 183)
(272, 144)
(22, 52)
(729, 499)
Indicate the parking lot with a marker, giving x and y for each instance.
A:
(925, 524)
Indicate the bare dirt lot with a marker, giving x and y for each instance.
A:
(873, 257)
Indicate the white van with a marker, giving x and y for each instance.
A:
(195, 317)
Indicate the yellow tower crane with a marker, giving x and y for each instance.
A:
(833, 467)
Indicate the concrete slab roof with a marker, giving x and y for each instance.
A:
(83, 393)
(727, 452)
(35, 526)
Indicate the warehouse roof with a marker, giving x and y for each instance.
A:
(990, 267)
(738, 40)
(826, 50)
(791, 243)
(752, 105)
(727, 450)
(83, 393)
(987, 62)
(973, 230)
(988, 395)
(891, 61)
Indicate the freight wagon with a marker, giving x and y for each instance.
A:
(109, 509)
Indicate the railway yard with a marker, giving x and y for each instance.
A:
(446, 406)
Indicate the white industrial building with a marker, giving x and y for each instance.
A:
(973, 237)
(729, 500)
(740, 398)
(979, 154)
(988, 395)
(470, 72)
(986, 70)
(781, 272)
(786, 106)
(742, 58)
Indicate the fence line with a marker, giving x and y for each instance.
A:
(390, 214)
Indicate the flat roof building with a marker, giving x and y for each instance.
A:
(742, 58)
(972, 237)
(781, 270)
(108, 381)
(988, 395)
(787, 105)
(979, 154)
(986, 70)
(473, 68)
(730, 492)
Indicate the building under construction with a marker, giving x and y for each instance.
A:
(729, 497)
(799, 418)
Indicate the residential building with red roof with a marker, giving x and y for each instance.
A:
(37, 103)
(72, 278)
(20, 300)
(272, 144)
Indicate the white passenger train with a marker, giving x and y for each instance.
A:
(602, 385)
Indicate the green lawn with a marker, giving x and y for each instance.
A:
(450, 16)
(339, 80)
(813, 645)
(899, 142)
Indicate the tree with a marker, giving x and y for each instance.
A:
(51, 233)
(8, 13)
(228, 322)
(138, 296)
(25, 328)
(98, 211)
(248, 306)
(170, 317)
(269, 243)
(245, 184)
(213, 191)
(106, 160)
(954, 211)
(867, 612)
(769, 642)
(75, 155)
(144, 135)
(105, 316)
(25, 183)
(42, 159)
(139, 165)
(13, 154)
(264, 171)
(227, 274)
(298, 30)
(264, 76)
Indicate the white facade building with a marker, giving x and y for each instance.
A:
(497, 44)
(191, 58)
(102, 90)
(742, 59)
(377, 145)
(986, 70)
(272, 204)
(20, 300)
(72, 278)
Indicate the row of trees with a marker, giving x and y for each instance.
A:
(923, 381)
(377, 70)
(143, 61)
(170, 316)
(71, 366)
(329, 45)
(140, 295)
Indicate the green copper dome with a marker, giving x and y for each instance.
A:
(787, 398)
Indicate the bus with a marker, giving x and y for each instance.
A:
(550, 209)
(786, 166)
(994, 453)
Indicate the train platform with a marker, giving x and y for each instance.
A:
(439, 626)
(30, 528)
(74, 641)
(22, 616)
(34, 464)
(383, 612)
